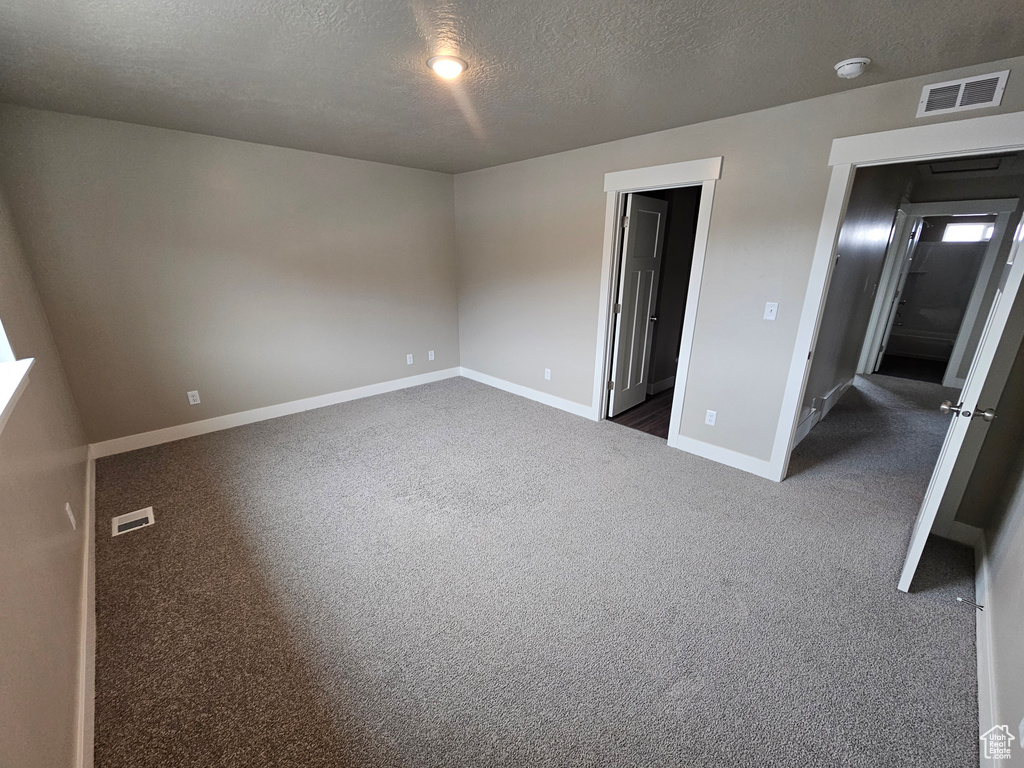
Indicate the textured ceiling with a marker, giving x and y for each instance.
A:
(347, 77)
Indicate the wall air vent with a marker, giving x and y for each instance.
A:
(131, 521)
(961, 95)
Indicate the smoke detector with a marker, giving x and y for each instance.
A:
(851, 68)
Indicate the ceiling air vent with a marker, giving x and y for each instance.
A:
(131, 521)
(960, 95)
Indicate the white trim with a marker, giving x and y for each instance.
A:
(700, 250)
(987, 275)
(182, 431)
(13, 380)
(992, 133)
(725, 456)
(888, 282)
(586, 411)
(661, 386)
(961, 207)
(673, 175)
(810, 316)
(923, 142)
(85, 726)
(664, 176)
(962, 533)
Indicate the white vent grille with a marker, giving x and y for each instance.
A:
(961, 95)
(131, 521)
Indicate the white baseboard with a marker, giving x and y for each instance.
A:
(85, 727)
(983, 640)
(586, 411)
(805, 426)
(822, 405)
(730, 458)
(661, 386)
(964, 534)
(180, 432)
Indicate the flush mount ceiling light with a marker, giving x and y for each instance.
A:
(448, 67)
(851, 68)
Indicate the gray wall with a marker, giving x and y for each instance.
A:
(675, 279)
(42, 466)
(994, 500)
(530, 238)
(863, 241)
(170, 261)
(1006, 596)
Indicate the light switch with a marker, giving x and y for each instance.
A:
(771, 309)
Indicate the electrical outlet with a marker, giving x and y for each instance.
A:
(710, 418)
(408, 359)
(547, 374)
(771, 309)
(430, 355)
(71, 515)
(193, 397)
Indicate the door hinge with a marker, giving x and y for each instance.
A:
(617, 308)
(611, 386)
(625, 221)
(809, 353)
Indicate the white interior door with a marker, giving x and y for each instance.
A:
(984, 384)
(897, 299)
(638, 293)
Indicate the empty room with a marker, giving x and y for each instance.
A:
(529, 384)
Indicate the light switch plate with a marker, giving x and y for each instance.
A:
(771, 309)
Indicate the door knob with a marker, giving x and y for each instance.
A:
(948, 407)
(988, 414)
(653, 319)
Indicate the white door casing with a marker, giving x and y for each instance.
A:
(976, 310)
(901, 282)
(638, 293)
(959, 138)
(984, 383)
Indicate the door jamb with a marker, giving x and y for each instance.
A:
(972, 136)
(908, 217)
(617, 185)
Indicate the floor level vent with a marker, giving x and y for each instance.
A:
(961, 95)
(131, 521)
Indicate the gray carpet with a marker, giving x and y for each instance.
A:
(454, 576)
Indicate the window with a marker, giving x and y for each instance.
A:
(967, 233)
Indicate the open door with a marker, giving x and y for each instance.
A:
(981, 391)
(638, 291)
(906, 257)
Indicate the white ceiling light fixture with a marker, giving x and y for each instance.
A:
(851, 68)
(448, 67)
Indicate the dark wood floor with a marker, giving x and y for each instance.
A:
(651, 416)
(913, 368)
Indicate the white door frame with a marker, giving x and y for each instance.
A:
(909, 216)
(981, 135)
(617, 185)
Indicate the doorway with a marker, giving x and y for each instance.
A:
(997, 324)
(939, 278)
(656, 261)
(695, 175)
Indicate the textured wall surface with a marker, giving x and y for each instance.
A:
(42, 467)
(530, 240)
(257, 275)
(348, 77)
